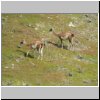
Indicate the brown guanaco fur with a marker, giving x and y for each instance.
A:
(37, 44)
(64, 36)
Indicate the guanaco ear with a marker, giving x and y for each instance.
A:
(50, 30)
(21, 43)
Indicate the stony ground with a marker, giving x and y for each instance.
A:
(59, 67)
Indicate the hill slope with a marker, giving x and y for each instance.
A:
(59, 67)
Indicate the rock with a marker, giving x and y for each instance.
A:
(89, 21)
(79, 57)
(12, 65)
(36, 28)
(71, 25)
(86, 81)
(6, 67)
(29, 25)
(48, 17)
(17, 60)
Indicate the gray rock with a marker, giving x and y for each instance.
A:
(79, 57)
(87, 81)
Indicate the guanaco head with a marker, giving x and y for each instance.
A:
(23, 42)
(51, 30)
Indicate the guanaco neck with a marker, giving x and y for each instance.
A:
(54, 33)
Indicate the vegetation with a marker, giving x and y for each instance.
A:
(59, 67)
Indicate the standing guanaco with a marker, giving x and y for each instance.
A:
(36, 44)
(64, 36)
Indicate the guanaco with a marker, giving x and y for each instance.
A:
(64, 36)
(36, 44)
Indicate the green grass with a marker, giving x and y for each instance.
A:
(59, 67)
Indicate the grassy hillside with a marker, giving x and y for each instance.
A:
(59, 67)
